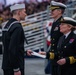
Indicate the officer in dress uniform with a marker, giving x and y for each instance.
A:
(13, 42)
(57, 10)
(66, 48)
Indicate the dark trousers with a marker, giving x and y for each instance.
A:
(11, 72)
(48, 67)
(55, 68)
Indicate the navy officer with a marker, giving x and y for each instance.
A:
(66, 48)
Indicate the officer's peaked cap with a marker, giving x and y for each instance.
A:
(57, 5)
(68, 20)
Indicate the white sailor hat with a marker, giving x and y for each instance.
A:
(57, 5)
(68, 20)
(17, 6)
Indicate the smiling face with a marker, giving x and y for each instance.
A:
(65, 28)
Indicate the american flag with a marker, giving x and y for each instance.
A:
(47, 31)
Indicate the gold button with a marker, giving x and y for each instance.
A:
(53, 44)
(61, 57)
(64, 46)
(53, 39)
(52, 50)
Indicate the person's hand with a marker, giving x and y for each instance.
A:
(61, 61)
(42, 53)
(29, 52)
(17, 73)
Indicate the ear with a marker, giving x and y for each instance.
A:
(70, 26)
(59, 10)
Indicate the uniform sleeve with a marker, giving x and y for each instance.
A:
(51, 55)
(72, 59)
(14, 47)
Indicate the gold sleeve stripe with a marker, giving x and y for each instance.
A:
(52, 55)
(72, 60)
(53, 8)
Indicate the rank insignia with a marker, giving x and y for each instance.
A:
(56, 28)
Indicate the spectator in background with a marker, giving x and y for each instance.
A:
(13, 42)
(35, 8)
(1, 19)
(6, 15)
(30, 9)
(2, 16)
(62, 1)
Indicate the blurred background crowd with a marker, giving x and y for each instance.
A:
(32, 6)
